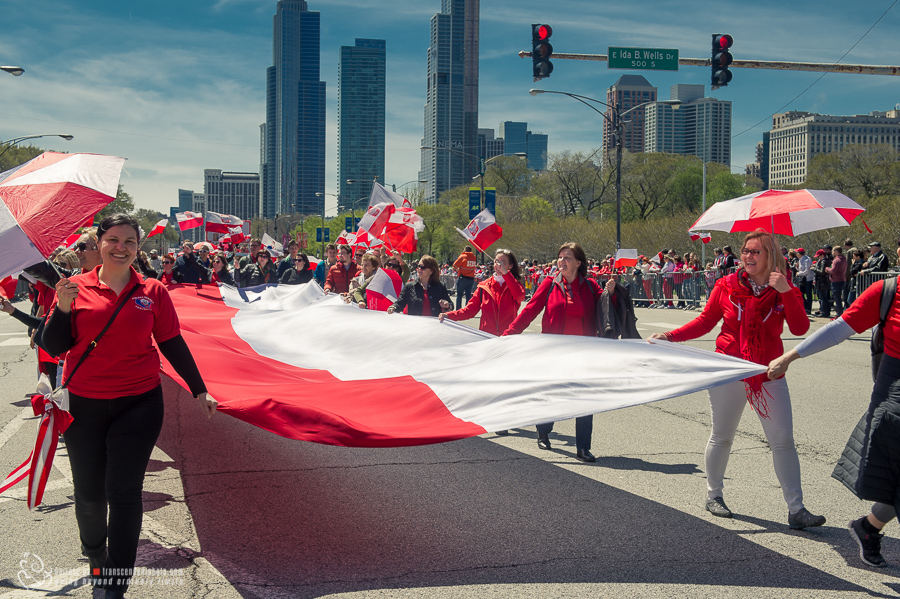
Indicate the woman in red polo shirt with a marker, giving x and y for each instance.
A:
(498, 297)
(753, 305)
(115, 395)
(870, 463)
(569, 302)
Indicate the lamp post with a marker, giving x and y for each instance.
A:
(16, 140)
(14, 71)
(619, 126)
(483, 169)
(337, 208)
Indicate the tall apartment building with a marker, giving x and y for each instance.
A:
(360, 115)
(294, 139)
(626, 93)
(232, 193)
(451, 105)
(185, 202)
(796, 137)
(198, 205)
(699, 126)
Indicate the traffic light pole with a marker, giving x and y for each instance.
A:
(827, 67)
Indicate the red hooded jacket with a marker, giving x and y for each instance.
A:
(499, 304)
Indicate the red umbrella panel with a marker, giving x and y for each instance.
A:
(784, 212)
(47, 199)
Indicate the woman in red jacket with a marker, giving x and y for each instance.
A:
(753, 305)
(498, 297)
(569, 302)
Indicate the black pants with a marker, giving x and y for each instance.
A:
(109, 445)
(584, 428)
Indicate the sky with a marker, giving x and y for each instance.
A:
(179, 86)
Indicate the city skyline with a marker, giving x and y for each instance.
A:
(179, 88)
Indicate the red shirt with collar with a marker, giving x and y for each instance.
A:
(125, 362)
(865, 312)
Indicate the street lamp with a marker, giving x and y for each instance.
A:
(14, 71)
(618, 126)
(339, 208)
(14, 141)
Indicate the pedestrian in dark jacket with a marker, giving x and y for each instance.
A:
(870, 463)
(299, 273)
(260, 273)
(428, 287)
(189, 267)
(615, 313)
(221, 274)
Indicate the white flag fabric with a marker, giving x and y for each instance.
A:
(381, 194)
(366, 378)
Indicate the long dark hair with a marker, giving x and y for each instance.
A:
(432, 264)
(513, 265)
(114, 220)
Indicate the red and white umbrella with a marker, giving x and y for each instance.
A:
(47, 199)
(784, 212)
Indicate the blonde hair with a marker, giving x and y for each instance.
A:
(774, 258)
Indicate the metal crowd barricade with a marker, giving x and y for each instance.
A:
(449, 282)
(681, 290)
(861, 282)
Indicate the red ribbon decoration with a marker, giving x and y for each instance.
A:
(54, 422)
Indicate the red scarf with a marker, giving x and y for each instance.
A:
(752, 313)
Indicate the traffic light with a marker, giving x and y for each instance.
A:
(721, 59)
(541, 51)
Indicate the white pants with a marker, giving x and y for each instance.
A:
(727, 403)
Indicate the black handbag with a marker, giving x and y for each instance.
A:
(888, 291)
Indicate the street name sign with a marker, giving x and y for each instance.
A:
(651, 59)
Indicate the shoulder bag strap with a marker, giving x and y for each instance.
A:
(888, 291)
(93, 343)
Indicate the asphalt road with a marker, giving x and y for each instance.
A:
(235, 511)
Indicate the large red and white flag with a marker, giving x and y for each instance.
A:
(366, 378)
(189, 220)
(381, 194)
(402, 230)
(159, 228)
(376, 218)
(625, 258)
(483, 230)
(221, 223)
(383, 290)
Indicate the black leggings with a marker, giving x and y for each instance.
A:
(109, 445)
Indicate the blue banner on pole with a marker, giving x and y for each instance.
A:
(490, 199)
(474, 202)
(348, 224)
(327, 234)
(319, 234)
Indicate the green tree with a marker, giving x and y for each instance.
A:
(581, 184)
(859, 171)
(16, 155)
(123, 204)
(509, 174)
(647, 186)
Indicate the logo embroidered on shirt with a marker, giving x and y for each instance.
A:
(143, 303)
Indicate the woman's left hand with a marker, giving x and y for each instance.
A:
(207, 403)
(445, 304)
(779, 282)
(610, 286)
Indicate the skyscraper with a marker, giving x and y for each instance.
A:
(294, 140)
(451, 105)
(518, 139)
(626, 93)
(360, 115)
(699, 127)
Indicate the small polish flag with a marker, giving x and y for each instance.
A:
(188, 220)
(483, 230)
(626, 258)
(159, 228)
(705, 237)
(694, 236)
(383, 290)
(221, 223)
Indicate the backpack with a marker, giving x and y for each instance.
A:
(888, 291)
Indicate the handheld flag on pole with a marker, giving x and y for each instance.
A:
(189, 220)
(159, 228)
(482, 231)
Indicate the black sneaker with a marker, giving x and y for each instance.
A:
(717, 507)
(869, 544)
(803, 519)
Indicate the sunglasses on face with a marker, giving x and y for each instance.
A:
(744, 252)
(421, 267)
(167, 262)
(80, 247)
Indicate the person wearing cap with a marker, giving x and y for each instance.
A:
(155, 262)
(465, 272)
(189, 267)
(877, 261)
